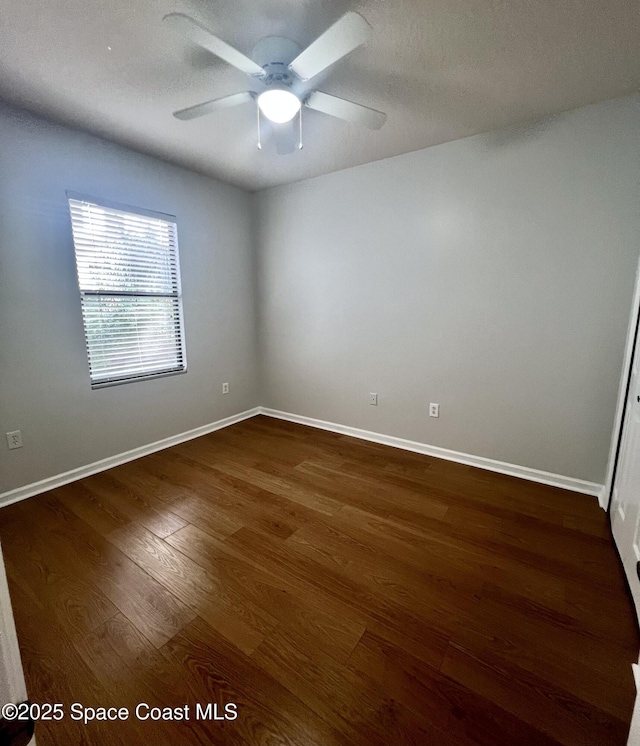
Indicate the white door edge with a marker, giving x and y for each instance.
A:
(616, 433)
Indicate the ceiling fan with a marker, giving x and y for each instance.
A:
(281, 70)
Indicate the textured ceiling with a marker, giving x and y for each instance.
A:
(441, 69)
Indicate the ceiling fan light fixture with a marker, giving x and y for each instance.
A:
(279, 105)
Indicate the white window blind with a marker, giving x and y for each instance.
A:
(129, 277)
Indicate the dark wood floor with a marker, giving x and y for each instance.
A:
(338, 592)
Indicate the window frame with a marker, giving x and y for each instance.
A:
(143, 212)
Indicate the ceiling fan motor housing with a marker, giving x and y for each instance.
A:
(274, 54)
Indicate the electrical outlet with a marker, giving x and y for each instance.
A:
(373, 399)
(434, 410)
(225, 388)
(14, 439)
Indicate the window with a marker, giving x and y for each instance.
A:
(129, 278)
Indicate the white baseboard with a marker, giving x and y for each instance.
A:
(50, 483)
(524, 472)
(512, 470)
(603, 498)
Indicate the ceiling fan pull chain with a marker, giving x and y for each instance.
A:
(300, 129)
(259, 139)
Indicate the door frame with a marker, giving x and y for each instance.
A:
(623, 392)
(10, 662)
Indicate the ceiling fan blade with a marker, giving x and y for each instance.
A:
(347, 110)
(344, 36)
(219, 103)
(198, 35)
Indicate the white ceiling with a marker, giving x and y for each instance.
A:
(441, 69)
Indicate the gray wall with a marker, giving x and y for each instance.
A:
(44, 378)
(492, 275)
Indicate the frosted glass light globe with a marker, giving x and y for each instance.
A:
(279, 105)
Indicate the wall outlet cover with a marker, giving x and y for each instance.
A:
(14, 439)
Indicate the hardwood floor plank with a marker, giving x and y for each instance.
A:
(224, 607)
(371, 539)
(145, 509)
(368, 494)
(490, 490)
(99, 656)
(310, 625)
(207, 514)
(234, 502)
(87, 555)
(533, 542)
(588, 668)
(248, 503)
(437, 604)
(79, 498)
(535, 701)
(268, 713)
(47, 651)
(384, 616)
(589, 626)
(140, 673)
(266, 447)
(363, 712)
(462, 549)
(136, 475)
(452, 707)
(341, 592)
(587, 607)
(445, 554)
(74, 603)
(281, 486)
